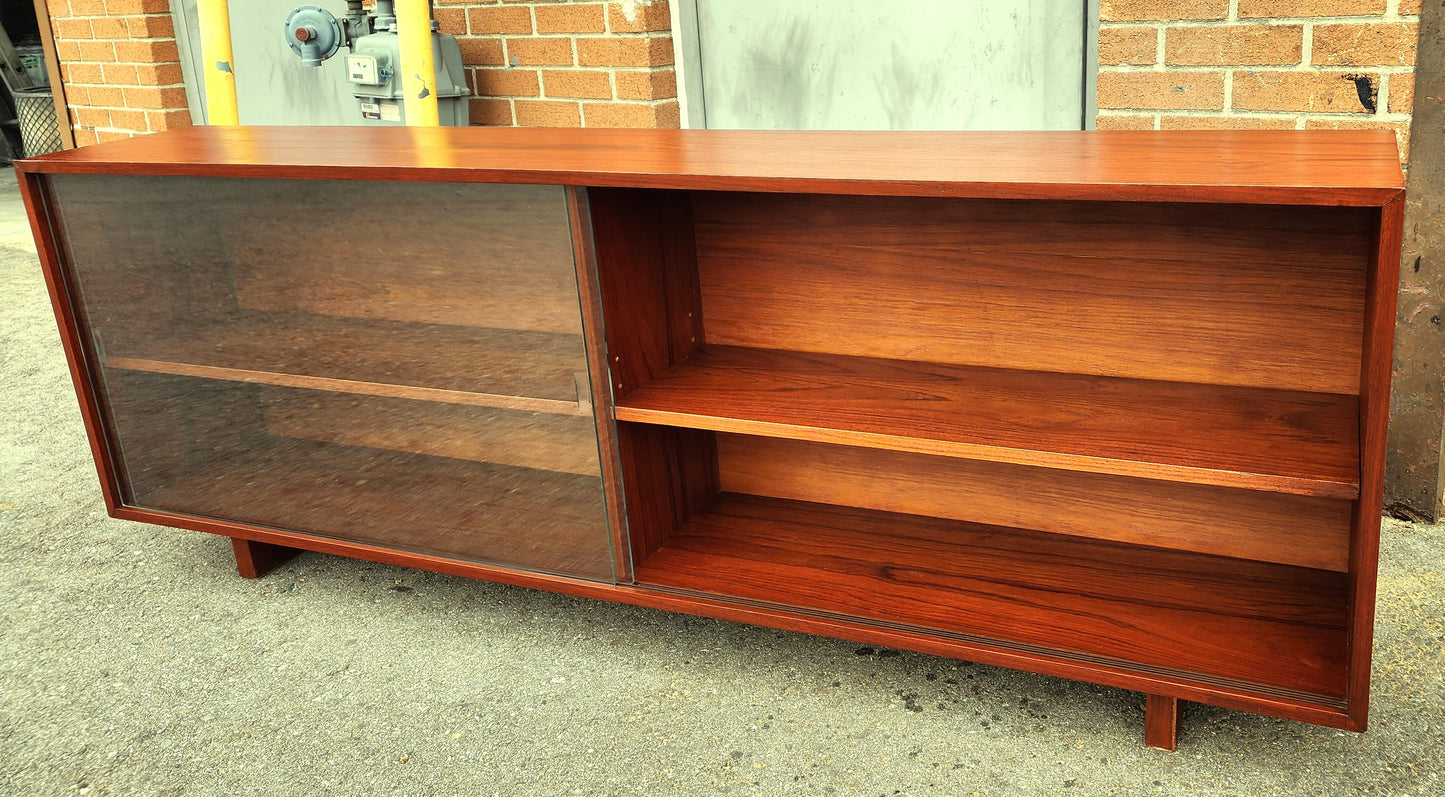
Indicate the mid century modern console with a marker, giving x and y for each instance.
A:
(1107, 406)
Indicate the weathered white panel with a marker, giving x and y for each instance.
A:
(894, 64)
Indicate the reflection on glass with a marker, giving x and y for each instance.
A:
(393, 363)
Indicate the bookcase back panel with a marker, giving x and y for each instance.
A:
(1268, 296)
(154, 259)
(1246, 524)
(546, 441)
(474, 255)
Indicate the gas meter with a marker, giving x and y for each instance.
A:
(315, 35)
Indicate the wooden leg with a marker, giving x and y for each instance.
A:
(256, 559)
(1161, 722)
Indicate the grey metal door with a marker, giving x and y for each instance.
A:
(272, 88)
(901, 65)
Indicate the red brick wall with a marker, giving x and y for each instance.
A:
(1292, 64)
(120, 67)
(566, 64)
(534, 62)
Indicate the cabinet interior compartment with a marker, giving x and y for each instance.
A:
(1251, 623)
(229, 451)
(346, 359)
(1090, 428)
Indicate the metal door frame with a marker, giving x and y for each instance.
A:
(190, 55)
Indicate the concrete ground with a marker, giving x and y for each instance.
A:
(134, 661)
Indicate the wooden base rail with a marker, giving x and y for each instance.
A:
(256, 559)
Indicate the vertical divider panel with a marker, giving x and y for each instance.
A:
(646, 261)
(594, 334)
(1382, 278)
(647, 267)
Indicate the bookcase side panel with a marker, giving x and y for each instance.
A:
(1379, 342)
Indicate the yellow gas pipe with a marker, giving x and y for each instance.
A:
(215, 20)
(418, 65)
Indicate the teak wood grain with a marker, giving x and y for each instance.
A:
(511, 369)
(508, 265)
(256, 559)
(1236, 295)
(1278, 626)
(1283, 441)
(545, 441)
(1293, 300)
(552, 522)
(579, 216)
(1161, 722)
(1247, 524)
(1314, 167)
(646, 259)
(647, 273)
(1100, 670)
(1379, 342)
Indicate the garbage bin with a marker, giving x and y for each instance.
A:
(32, 60)
(39, 129)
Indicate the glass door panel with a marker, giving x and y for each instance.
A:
(400, 364)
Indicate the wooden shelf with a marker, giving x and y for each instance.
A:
(506, 369)
(1273, 440)
(1278, 626)
(540, 520)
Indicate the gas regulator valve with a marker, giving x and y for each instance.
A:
(314, 33)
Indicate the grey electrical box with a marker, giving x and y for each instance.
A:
(372, 70)
(366, 70)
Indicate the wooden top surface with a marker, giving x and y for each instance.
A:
(1315, 167)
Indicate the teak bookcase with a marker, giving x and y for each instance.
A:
(1107, 406)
